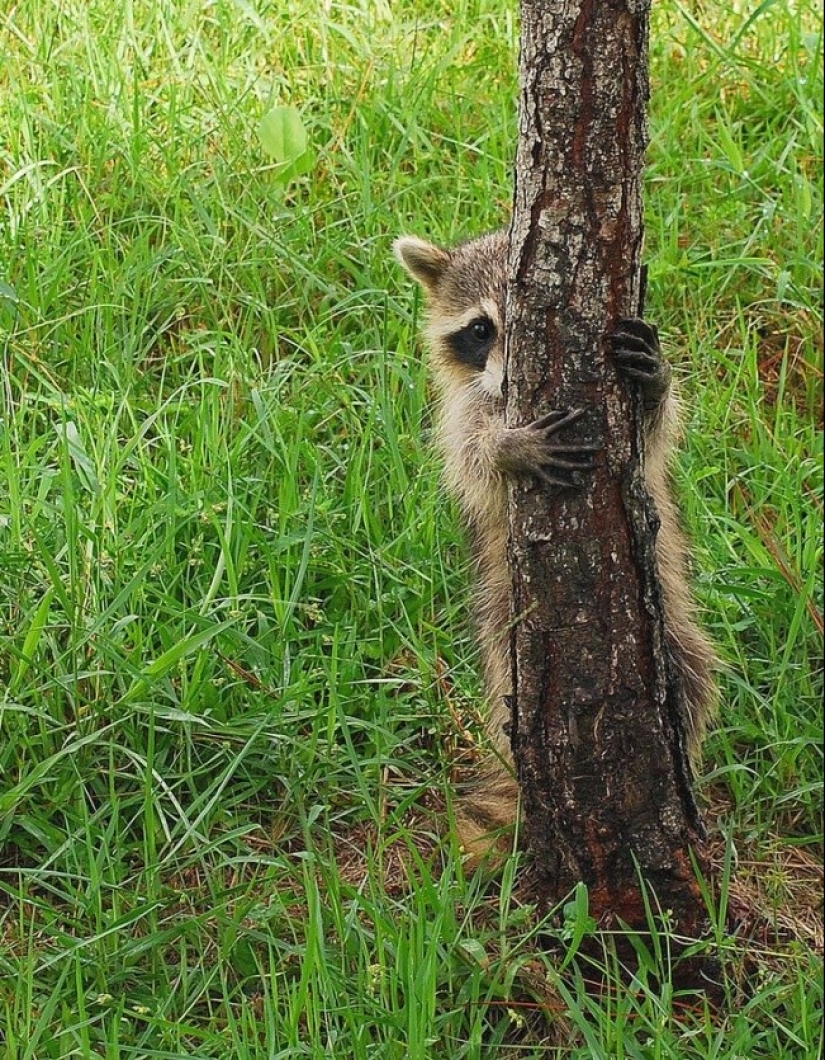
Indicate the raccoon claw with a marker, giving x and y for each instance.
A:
(639, 330)
(556, 420)
(574, 482)
(639, 356)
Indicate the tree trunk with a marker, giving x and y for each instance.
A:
(597, 735)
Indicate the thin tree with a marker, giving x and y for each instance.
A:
(597, 729)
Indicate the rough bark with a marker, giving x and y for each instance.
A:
(596, 718)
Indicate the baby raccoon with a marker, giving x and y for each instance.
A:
(465, 288)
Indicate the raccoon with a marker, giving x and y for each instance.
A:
(465, 289)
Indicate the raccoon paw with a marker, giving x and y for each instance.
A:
(533, 450)
(639, 357)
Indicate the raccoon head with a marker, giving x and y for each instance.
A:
(465, 287)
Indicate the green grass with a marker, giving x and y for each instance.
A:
(229, 581)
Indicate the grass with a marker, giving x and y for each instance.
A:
(233, 640)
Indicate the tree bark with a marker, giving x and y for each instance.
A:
(597, 734)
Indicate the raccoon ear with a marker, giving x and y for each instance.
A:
(424, 261)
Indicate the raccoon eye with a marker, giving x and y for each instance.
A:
(472, 344)
(481, 329)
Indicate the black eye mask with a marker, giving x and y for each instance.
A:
(473, 343)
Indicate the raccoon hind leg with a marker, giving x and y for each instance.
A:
(486, 814)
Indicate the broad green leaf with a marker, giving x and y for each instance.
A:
(284, 137)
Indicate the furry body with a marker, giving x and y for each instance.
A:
(465, 289)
